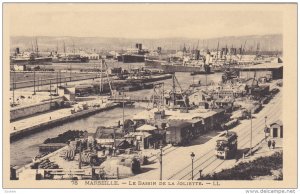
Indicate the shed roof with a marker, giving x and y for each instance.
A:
(146, 128)
(278, 122)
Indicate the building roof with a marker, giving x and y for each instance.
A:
(177, 115)
(133, 134)
(146, 128)
(278, 122)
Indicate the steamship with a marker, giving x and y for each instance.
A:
(136, 55)
(28, 58)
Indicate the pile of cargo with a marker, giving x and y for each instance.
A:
(65, 137)
(121, 167)
(44, 164)
(90, 158)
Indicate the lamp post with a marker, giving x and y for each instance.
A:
(192, 156)
(266, 128)
(160, 160)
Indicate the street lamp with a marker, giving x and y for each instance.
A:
(192, 156)
(160, 160)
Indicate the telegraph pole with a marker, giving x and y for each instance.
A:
(38, 84)
(70, 72)
(59, 78)
(80, 159)
(161, 162)
(251, 134)
(114, 150)
(101, 79)
(13, 87)
(174, 89)
(50, 94)
(206, 81)
(56, 83)
(34, 82)
(123, 111)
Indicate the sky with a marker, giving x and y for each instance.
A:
(141, 21)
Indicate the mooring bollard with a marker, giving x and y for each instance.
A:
(200, 174)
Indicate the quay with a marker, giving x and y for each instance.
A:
(129, 100)
(17, 133)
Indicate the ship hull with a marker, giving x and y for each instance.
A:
(169, 68)
(67, 60)
(31, 61)
(133, 58)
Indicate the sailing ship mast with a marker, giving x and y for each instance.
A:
(37, 47)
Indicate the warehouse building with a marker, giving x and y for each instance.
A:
(265, 70)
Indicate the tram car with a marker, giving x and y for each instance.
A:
(231, 124)
(226, 145)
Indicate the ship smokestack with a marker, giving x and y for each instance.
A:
(197, 54)
(159, 49)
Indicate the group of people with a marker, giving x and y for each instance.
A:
(271, 144)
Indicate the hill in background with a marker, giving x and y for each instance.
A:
(47, 43)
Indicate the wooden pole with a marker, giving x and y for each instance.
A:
(34, 82)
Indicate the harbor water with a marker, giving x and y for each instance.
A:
(23, 150)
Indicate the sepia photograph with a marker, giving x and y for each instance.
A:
(149, 95)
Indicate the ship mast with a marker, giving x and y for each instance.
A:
(73, 47)
(243, 48)
(32, 47)
(64, 48)
(231, 53)
(37, 47)
(217, 51)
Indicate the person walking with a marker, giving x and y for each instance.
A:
(273, 144)
(269, 144)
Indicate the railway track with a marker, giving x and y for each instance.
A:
(207, 162)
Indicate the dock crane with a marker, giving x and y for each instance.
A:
(103, 63)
